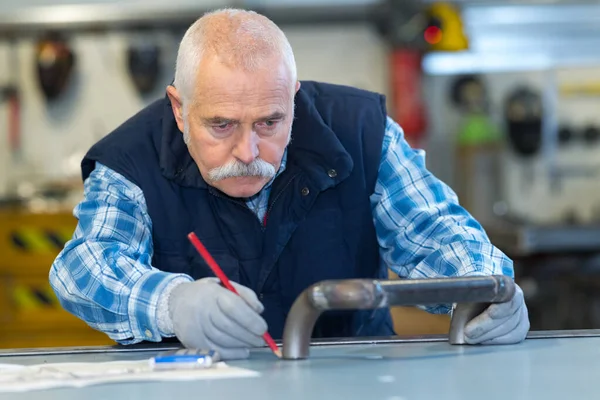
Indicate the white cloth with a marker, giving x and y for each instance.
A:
(20, 378)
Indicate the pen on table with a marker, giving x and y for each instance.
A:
(225, 281)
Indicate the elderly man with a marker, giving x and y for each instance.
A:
(285, 183)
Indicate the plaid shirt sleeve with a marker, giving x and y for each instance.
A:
(422, 230)
(104, 274)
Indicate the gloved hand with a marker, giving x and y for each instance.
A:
(206, 315)
(502, 323)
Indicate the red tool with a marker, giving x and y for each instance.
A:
(409, 105)
(221, 275)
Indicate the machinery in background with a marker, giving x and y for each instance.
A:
(416, 30)
(544, 99)
(479, 150)
(445, 30)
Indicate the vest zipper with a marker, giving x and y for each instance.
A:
(264, 223)
(276, 198)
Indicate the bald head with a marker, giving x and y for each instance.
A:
(237, 39)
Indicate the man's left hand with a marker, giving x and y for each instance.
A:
(502, 323)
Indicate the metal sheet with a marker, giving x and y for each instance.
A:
(360, 341)
(551, 368)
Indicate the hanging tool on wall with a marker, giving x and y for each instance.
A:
(54, 61)
(565, 135)
(143, 64)
(523, 113)
(11, 97)
(591, 134)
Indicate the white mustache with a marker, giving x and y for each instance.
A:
(236, 169)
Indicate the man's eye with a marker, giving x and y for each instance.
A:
(222, 127)
(269, 124)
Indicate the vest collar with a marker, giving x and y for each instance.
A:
(314, 148)
(176, 163)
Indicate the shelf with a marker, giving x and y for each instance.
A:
(526, 240)
(44, 319)
(91, 17)
(30, 242)
(468, 62)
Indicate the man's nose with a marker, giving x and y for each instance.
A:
(246, 149)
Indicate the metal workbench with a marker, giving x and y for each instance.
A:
(548, 365)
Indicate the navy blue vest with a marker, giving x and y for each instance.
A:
(319, 225)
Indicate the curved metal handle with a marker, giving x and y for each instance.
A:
(462, 314)
(472, 294)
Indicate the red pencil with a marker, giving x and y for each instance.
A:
(223, 278)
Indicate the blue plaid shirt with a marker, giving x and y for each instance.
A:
(104, 274)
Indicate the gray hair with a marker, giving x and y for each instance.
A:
(247, 41)
(236, 168)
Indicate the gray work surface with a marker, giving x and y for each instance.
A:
(540, 368)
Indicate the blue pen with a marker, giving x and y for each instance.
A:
(184, 359)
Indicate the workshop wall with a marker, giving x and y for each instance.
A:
(101, 95)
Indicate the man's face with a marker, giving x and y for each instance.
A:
(239, 124)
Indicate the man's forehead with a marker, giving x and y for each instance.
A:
(218, 79)
(240, 113)
(230, 102)
(243, 90)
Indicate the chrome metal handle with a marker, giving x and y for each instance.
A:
(470, 293)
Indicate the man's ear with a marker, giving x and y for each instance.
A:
(176, 106)
(297, 86)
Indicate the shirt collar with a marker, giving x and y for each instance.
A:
(267, 187)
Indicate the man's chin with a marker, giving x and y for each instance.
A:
(246, 186)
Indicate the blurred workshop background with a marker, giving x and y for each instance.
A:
(503, 95)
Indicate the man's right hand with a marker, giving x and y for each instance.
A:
(206, 315)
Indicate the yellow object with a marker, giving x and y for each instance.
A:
(24, 299)
(580, 89)
(31, 314)
(34, 240)
(450, 36)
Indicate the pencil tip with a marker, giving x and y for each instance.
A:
(278, 353)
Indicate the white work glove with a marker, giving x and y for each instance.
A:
(502, 323)
(208, 316)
